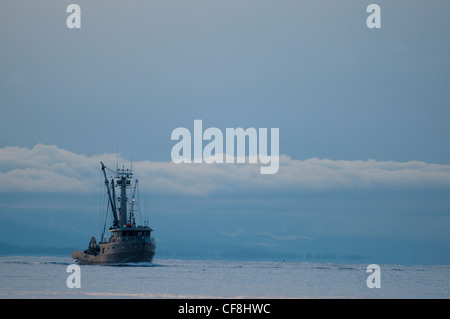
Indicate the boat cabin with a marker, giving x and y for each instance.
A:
(138, 233)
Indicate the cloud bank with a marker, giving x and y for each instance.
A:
(48, 168)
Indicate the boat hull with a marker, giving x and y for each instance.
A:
(117, 252)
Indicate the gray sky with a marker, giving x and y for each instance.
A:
(335, 88)
(368, 101)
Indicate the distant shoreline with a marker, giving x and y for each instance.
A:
(8, 250)
(243, 254)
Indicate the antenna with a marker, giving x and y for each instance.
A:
(117, 154)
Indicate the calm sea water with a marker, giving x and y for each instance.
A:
(45, 277)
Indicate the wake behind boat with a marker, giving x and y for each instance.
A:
(128, 242)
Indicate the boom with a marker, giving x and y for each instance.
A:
(112, 202)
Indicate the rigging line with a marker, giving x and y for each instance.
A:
(104, 226)
(101, 205)
(110, 170)
(146, 207)
(139, 203)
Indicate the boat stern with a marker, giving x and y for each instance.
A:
(77, 254)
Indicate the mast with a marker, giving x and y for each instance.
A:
(132, 218)
(123, 180)
(111, 201)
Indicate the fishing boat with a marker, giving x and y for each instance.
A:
(128, 242)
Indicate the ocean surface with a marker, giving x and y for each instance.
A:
(46, 277)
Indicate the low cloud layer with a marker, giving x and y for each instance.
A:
(48, 168)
